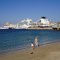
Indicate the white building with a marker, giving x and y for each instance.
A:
(24, 23)
(9, 25)
(44, 21)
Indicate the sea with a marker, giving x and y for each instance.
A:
(19, 39)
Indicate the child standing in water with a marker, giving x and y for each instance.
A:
(32, 45)
(36, 42)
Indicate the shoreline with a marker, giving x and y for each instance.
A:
(34, 29)
(43, 52)
(26, 48)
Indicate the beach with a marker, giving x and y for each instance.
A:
(44, 52)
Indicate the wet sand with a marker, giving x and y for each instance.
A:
(45, 52)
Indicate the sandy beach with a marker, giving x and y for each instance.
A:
(45, 52)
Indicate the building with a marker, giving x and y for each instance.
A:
(24, 23)
(9, 25)
(44, 22)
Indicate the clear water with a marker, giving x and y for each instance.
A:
(21, 39)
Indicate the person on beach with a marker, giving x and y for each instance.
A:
(36, 42)
(32, 45)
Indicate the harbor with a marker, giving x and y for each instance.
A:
(43, 23)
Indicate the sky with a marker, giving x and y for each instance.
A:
(16, 10)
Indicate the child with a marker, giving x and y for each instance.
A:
(36, 42)
(32, 45)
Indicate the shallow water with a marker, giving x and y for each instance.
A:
(21, 39)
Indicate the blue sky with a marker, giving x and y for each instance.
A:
(16, 10)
